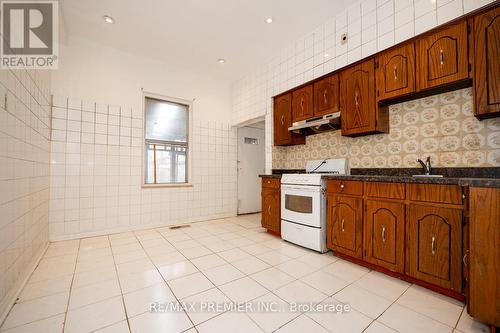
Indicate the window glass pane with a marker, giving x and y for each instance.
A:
(150, 164)
(166, 121)
(298, 203)
(170, 164)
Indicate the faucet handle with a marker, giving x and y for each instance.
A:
(424, 166)
(428, 164)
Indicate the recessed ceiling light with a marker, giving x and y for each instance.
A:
(108, 19)
(221, 61)
(269, 20)
(326, 55)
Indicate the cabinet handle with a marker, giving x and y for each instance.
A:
(302, 103)
(464, 259)
(433, 245)
(269, 209)
(441, 57)
(282, 120)
(325, 99)
(395, 73)
(383, 234)
(342, 186)
(343, 225)
(464, 196)
(356, 100)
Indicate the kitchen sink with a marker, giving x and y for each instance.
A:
(428, 176)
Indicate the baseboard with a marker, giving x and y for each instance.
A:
(11, 297)
(136, 228)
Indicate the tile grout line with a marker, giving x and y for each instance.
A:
(71, 287)
(158, 271)
(270, 291)
(119, 284)
(215, 286)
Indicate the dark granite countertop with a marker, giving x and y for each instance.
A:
(478, 177)
(478, 182)
(274, 175)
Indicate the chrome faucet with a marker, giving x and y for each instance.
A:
(426, 165)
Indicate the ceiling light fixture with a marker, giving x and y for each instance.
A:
(221, 61)
(326, 55)
(269, 20)
(108, 19)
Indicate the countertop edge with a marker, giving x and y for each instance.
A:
(467, 182)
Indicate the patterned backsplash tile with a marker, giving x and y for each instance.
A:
(441, 126)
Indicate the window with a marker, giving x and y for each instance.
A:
(166, 141)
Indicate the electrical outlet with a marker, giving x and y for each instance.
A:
(343, 38)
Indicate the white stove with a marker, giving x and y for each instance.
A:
(303, 203)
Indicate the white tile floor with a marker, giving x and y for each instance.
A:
(106, 284)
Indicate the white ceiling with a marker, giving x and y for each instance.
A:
(195, 33)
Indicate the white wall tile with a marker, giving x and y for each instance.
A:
(25, 159)
(384, 11)
(426, 22)
(402, 4)
(449, 11)
(368, 6)
(470, 5)
(423, 7)
(404, 32)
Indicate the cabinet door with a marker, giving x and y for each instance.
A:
(326, 95)
(302, 103)
(435, 245)
(384, 234)
(282, 120)
(484, 258)
(357, 99)
(271, 210)
(344, 225)
(486, 63)
(442, 57)
(396, 72)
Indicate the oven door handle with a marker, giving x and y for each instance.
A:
(303, 189)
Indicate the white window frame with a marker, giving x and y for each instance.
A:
(189, 168)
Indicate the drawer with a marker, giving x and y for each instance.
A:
(352, 187)
(450, 194)
(271, 182)
(385, 190)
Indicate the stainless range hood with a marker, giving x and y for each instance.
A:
(326, 123)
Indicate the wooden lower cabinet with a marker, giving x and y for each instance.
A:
(483, 292)
(384, 233)
(411, 231)
(271, 205)
(434, 246)
(344, 225)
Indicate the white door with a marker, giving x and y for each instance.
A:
(251, 163)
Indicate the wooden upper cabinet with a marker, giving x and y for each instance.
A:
(357, 99)
(344, 225)
(484, 258)
(485, 59)
(435, 245)
(384, 234)
(442, 57)
(302, 103)
(326, 95)
(396, 72)
(282, 120)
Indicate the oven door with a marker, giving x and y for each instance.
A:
(301, 204)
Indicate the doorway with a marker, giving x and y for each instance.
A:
(251, 163)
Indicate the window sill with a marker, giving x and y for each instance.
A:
(166, 185)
